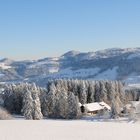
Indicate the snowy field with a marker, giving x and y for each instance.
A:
(68, 130)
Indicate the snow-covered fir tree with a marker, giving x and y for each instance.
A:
(36, 113)
(97, 91)
(49, 101)
(27, 109)
(91, 92)
(62, 104)
(73, 111)
(103, 91)
(82, 93)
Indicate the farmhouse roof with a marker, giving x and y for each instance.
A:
(96, 106)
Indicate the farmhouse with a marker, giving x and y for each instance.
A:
(95, 108)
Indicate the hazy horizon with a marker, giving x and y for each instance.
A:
(37, 29)
(47, 56)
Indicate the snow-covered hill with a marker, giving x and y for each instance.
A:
(108, 64)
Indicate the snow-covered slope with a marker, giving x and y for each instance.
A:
(3, 66)
(69, 73)
(108, 64)
(110, 74)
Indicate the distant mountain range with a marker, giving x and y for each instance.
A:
(108, 64)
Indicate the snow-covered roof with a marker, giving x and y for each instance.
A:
(96, 106)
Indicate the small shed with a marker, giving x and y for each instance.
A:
(132, 106)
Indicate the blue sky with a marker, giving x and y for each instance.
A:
(31, 29)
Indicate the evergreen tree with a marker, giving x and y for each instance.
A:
(50, 101)
(27, 105)
(103, 91)
(73, 111)
(91, 92)
(62, 105)
(82, 93)
(37, 115)
(97, 91)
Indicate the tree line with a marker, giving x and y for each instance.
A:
(60, 98)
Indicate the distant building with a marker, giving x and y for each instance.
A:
(95, 108)
(132, 106)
